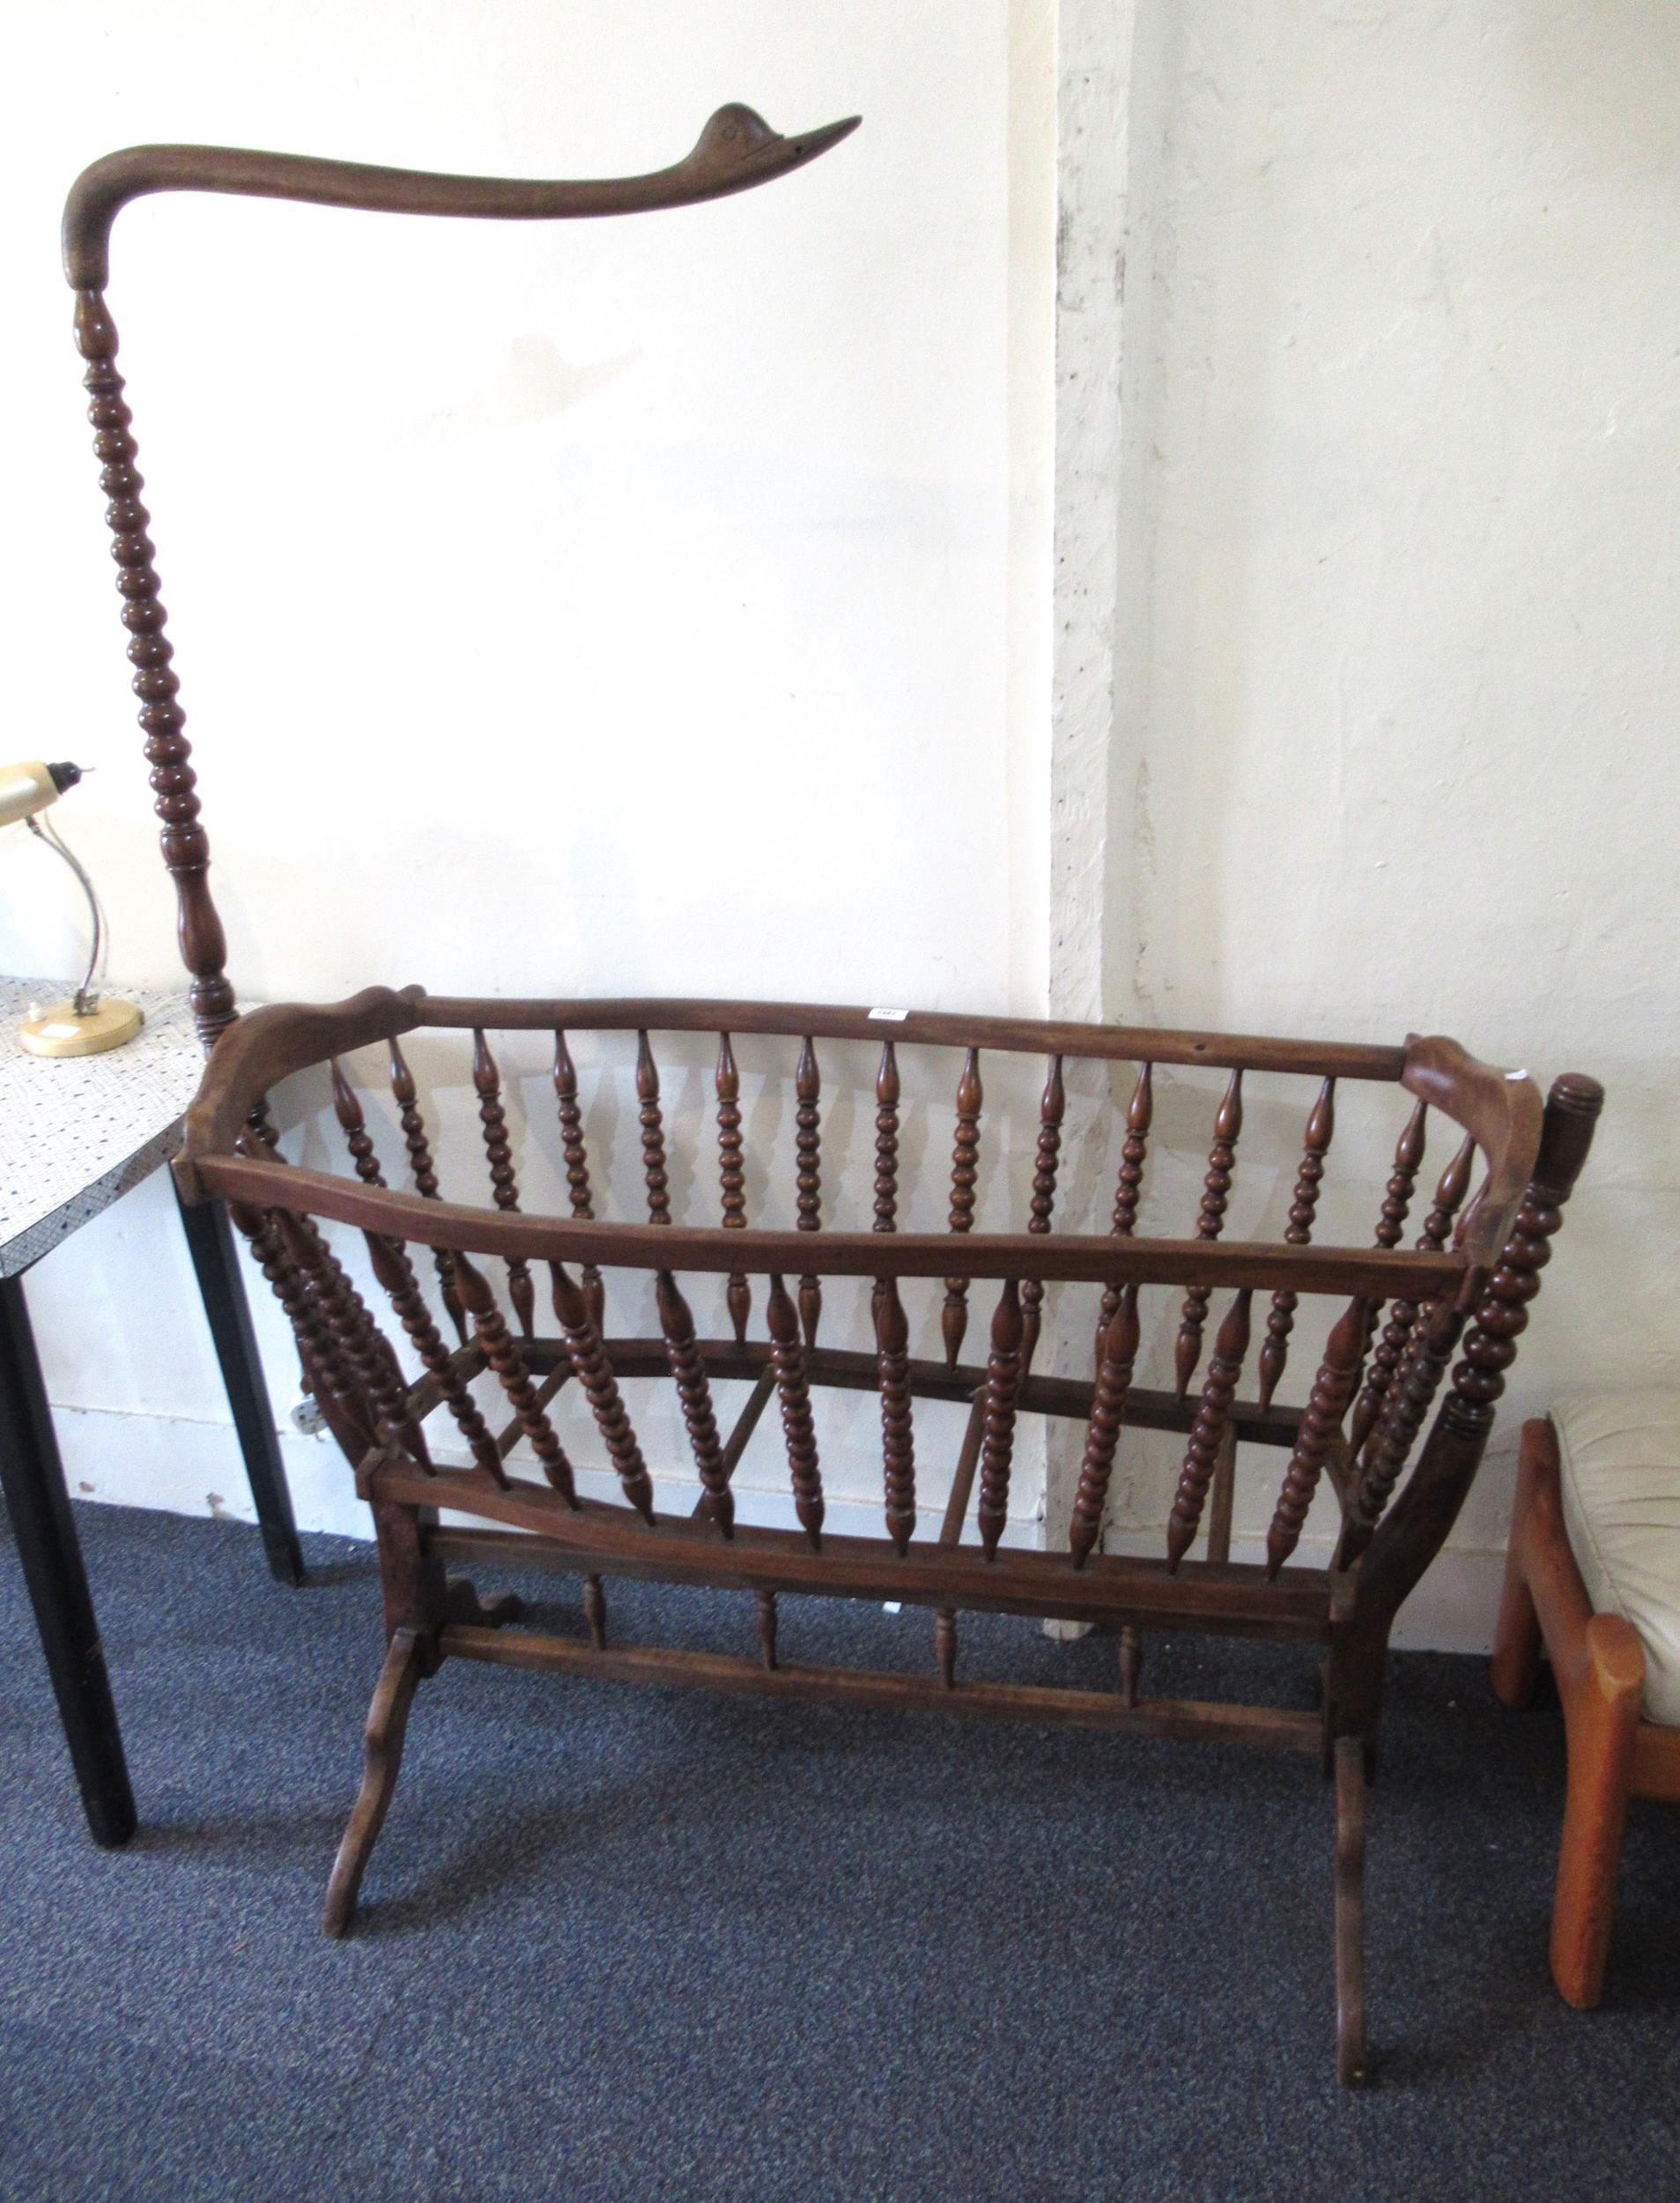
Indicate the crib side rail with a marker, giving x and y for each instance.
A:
(1392, 1303)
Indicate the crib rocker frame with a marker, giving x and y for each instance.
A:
(1464, 1287)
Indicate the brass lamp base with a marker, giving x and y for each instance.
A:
(63, 1030)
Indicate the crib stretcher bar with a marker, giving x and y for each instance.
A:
(832, 1021)
(1084, 1259)
(962, 1482)
(846, 1369)
(1232, 1598)
(1274, 1726)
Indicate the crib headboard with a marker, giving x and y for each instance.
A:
(736, 150)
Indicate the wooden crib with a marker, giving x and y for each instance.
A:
(956, 1314)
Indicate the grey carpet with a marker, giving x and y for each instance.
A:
(619, 1945)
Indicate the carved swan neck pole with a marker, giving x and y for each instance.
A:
(736, 150)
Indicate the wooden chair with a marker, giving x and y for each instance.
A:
(463, 1280)
(1621, 1707)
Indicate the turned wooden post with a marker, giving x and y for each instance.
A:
(1413, 1528)
(695, 1392)
(733, 1178)
(425, 1178)
(1108, 1409)
(1230, 1350)
(347, 1414)
(594, 1373)
(1129, 1184)
(886, 1153)
(965, 1175)
(1052, 1109)
(997, 1444)
(1391, 1349)
(395, 1271)
(508, 1363)
(807, 1088)
(794, 1391)
(1274, 1348)
(504, 1185)
(1332, 1389)
(653, 1133)
(897, 1436)
(186, 846)
(570, 1112)
(1215, 1195)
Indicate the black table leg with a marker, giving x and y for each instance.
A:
(33, 1478)
(210, 1240)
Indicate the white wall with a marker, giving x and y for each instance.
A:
(655, 605)
(1398, 688)
(578, 563)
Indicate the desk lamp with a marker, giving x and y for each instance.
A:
(85, 1024)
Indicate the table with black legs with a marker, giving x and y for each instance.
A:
(74, 1136)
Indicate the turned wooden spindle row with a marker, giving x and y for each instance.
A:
(1404, 1373)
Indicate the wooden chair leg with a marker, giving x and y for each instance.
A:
(1349, 1911)
(1516, 1643)
(1602, 1715)
(386, 1723)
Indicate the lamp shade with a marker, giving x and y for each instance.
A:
(27, 789)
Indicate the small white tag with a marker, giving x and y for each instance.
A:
(891, 1017)
(893, 1607)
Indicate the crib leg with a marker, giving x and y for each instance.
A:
(1349, 1911)
(462, 1603)
(387, 1722)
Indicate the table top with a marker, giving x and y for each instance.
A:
(76, 1133)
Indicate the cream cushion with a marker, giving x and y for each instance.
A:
(1619, 1455)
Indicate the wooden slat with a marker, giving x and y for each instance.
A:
(1236, 1600)
(747, 1422)
(962, 1482)
(1032, 1036)
(1274, 1727)
(1076, 1258)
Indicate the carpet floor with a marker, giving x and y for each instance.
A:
(623, 1945)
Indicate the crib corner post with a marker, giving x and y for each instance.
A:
(411, 1577)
